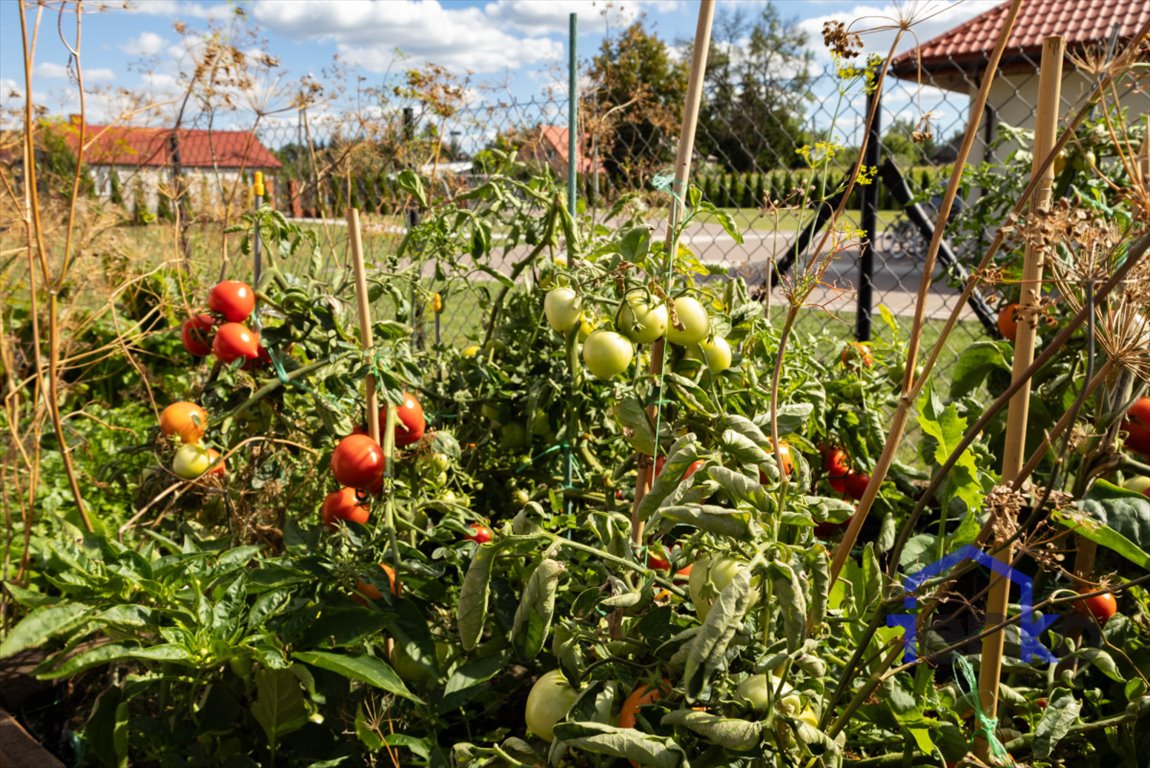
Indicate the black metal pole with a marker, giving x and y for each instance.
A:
(868, 221)
(918, 216)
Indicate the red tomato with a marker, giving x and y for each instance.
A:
(856, 483)
(839, 484)
(370, 591)
(1101, 607)
(410, 423)
(836, 462)
(826, 529)
(692, 469)
(481, 534)
(358, 461)
(233, 299)
(345, 504)
(234, 341)
(262, 359)
(197, 335)
(1137, 426)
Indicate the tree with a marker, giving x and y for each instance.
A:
(756, 84)
(637, 69)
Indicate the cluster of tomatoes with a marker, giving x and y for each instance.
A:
(640, 318)
(188, 422)
(222, 331)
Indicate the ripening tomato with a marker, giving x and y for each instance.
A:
(693, 317)
(480, 533)
(191, 461)
(548, 702)
(233, 299)
(1008, 321)
(217, 463)
(856, 353)
(234, 341)
(607, 354)
(410, 423)
(366, 589)
(358, 461)
(1137, 426)
(640, 697)
(197, 335)
(856, 483)
(1101, 607)
(185, 419)
(788, 460)
(345, 504)
(716, 353)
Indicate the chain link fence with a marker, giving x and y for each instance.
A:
(754, 162)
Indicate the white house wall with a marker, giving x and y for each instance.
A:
(207, 188)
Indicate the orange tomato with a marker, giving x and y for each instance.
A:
(185, 419)
(857, 352)
(640, 697)
(1008, 321)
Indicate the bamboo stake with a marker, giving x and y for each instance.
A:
(363, 305)
(678, 192)
(1045, 130)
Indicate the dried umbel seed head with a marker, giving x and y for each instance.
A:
(840, 40)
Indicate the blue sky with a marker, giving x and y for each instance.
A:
(511, 48)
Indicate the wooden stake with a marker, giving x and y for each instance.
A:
(355, 238)
(678, 194)
(1045, 130)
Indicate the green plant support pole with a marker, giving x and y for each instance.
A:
(572, 179)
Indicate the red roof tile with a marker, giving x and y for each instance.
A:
(556, 136)
(1081, 22)
(137, 147)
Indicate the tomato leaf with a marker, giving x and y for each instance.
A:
(741, 488)
(469, 679)
(742, 448)
(727, 732)
(946, 427)
(708, 650)
(792, 602)
(731, 523)
(600, 739)
(637, 427)
(364, 669)
(1060, 715)
(536, 609)
(471, 613)
(974, 363)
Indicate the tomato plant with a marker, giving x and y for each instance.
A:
(607, 354)
(641, 317)
(196, 335)
(410, 422)
(1102, 606)
(233, 341)
(345, 504)
(690, 323)
(563, 309)
(1008, 321)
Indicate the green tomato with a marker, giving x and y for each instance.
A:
(717, 354)
(1138, 484)
(754, 690)
(563, 309)
(695, 322)
(641, 317)
(415, 669)
(548, 702)
(710, 576)
(512, 435)
(433, 462)
(607, 354)
(192, 460)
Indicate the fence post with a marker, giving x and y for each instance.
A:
(572, 119)
(868, 221)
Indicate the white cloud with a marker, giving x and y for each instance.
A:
(368, 32)
(183, 10)
(51, 71)
(552, 17)
(147, 44)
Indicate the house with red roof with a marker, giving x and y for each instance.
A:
(142, 162)
(957, 60)
(546, 145)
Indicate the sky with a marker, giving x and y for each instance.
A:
(505, 48)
